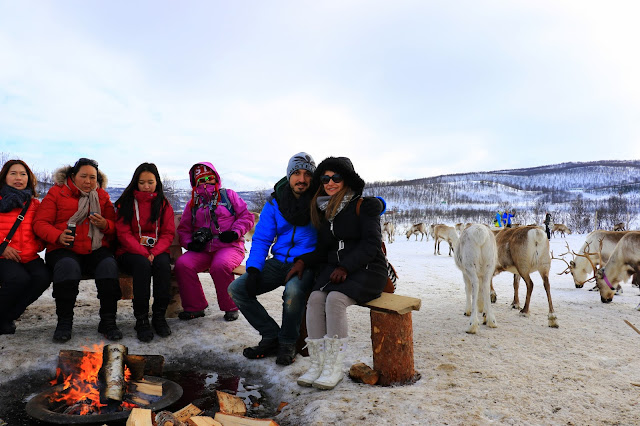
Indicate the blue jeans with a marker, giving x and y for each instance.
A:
(294, 301)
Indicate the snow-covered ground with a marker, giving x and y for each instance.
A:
(522, 372)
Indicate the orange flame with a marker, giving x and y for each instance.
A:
(84, 385)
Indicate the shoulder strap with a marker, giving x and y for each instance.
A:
(225, 201)
(14, 228)
(358, 204)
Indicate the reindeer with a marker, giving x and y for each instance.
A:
(418, 228)
(461, 227)
(522, 251)
(476, 256)
(444, 233)
(389, 229)
(562, 229)
(619, 227)
(623, 263)
(602, 243)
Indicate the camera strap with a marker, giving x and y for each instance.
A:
(14, 228)
(135, 205)
(212, 207)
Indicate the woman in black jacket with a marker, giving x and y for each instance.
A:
(351, 266)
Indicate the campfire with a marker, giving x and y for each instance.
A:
(103, 383)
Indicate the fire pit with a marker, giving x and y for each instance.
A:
(94, 387)
(39, 407)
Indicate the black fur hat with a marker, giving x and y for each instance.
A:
(343, 166)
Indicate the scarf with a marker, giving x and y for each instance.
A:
(323, 203)
(88, 202)
(296, 211)
(13, 198)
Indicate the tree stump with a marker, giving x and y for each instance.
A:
(392, 341)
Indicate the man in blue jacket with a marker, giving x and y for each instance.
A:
(285, 218)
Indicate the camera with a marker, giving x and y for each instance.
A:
(148, 241)
(202, 235)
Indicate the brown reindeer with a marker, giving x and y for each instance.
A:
(444, 233)
(522, 251)
(418, 228)
(562, 229)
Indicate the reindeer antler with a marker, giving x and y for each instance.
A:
(568, 268)
(588, 255)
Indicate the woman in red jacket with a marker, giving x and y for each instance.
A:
(145, 230)
(77, 222)
(23, 274)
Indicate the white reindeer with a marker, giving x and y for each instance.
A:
(599, 246)
(623, 263)
(476, 256)
(522, 251)
(444, 233)
(389, 229)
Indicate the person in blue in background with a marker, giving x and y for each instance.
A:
(498, 220)
(286, 217)
(506, 219)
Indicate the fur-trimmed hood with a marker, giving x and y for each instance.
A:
(343, 166)
(60, 176)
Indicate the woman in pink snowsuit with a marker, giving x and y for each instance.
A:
(212, 229)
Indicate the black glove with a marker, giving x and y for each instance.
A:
(196, 246)
(254, 278)
(228, 236)
(338, 275)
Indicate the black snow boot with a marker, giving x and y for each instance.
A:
(107, 325)
(143, 328)
(64, 311)
(158, 320)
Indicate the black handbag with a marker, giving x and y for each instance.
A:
(14, 228)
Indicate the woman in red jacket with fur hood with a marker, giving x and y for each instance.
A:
(79, 199)
(23, 274)
(145, 229)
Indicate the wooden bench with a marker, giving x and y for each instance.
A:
(175, 251)
(392, 338)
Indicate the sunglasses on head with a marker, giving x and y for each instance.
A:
(337, 178)
(206, 179)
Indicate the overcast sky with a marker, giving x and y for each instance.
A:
(406, 89)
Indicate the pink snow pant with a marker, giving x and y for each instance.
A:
(220, 264)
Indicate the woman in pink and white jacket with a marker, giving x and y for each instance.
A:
(212, 230)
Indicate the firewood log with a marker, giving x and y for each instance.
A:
(112, 371)
(361, 372)
(140, 417)
(147, 387)
(136, 364)
(236, 420)
(230, 404)
(203, 421)
(187, 412)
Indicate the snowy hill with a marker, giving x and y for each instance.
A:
(572, 192)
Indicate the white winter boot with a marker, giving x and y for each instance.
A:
(316, 356)
(334, 352)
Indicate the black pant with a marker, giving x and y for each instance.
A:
(142, 270)
(67, 269)
(21, 284)
(548, 231)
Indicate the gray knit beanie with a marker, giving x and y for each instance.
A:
(301, 160)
